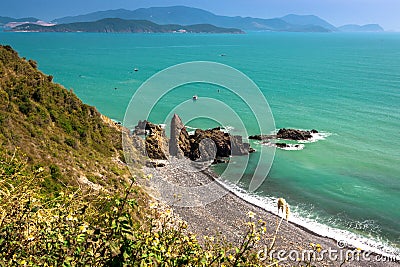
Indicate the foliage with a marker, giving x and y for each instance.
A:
(75, 228)
(52, 126)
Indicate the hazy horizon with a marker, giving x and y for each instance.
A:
(336, 12)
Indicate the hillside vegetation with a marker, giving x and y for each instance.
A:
(54, 128)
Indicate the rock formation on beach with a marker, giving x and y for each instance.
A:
(179, 140)
(203, 145)
(288, 134)
(156, 142)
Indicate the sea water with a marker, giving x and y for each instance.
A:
(346, 185)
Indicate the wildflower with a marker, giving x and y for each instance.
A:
(83, 228)
(31, 237)
(153, 205)
(168, 212)
(251, 214)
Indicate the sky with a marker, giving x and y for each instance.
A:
(338, 12)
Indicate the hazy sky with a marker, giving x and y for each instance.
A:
(337, 12)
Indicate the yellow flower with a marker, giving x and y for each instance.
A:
(83, 228)
(168, 212)
(31, 237)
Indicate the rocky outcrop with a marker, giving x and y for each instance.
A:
(288, 134)
(140, 129)
(203, 145)
(179, 140)
(293, 134)
(156, 141)
(214, 143)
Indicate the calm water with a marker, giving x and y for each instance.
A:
(346, 85)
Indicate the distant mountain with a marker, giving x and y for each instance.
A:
(5, 20)
(307, 20)
(361, 28)
(188, 16)
(128, 26)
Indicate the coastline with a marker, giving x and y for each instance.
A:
(226, 217)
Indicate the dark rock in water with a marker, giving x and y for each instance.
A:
(156, 142)
(179, 142)
(288, 134)
(281, 145)
(257, 137)
(293, 134)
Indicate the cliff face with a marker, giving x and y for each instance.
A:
(52, 126)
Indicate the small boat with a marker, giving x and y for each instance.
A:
(136, 69)
(195, 97)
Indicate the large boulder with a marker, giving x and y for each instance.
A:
(179, 143)
(219, 143)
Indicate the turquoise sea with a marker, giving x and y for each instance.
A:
(346, 186)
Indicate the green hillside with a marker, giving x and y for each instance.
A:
(52, 127)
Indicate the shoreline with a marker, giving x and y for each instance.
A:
(227, 215)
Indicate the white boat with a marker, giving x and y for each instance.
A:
(195, 97)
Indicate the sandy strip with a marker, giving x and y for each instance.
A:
(227, 215)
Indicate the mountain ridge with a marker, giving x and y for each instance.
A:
(361, 28)
(188, 16)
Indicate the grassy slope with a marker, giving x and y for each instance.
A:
(54, 128)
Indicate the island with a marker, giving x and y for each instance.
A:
(116, 25)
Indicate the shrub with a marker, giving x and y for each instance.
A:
(100, 229)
